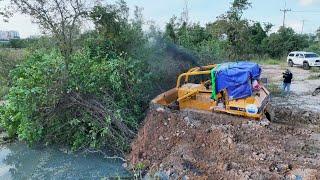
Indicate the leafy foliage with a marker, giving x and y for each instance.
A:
(62, 19)
(112, 22)
(285, 40)
(101, 94)
(233, 37)
(35, 88)
(101, 103)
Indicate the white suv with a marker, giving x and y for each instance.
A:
(305, 59)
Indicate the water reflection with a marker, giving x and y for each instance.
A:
(18, 161)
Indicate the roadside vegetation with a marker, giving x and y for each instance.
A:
(270, 61)
(315, 69)
(314, 77)
(9, 59)
(91, 89)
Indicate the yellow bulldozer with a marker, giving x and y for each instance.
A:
(232, 88)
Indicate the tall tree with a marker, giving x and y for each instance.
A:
(170, 31)
(60, 18)
(257, 34)
(236, 28)
(280, 43)
(237, 8)
(113, 23)
(4, 13)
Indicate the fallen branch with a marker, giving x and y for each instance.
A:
(97, 110)
(105, 155)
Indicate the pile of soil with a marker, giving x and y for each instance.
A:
(194, 145)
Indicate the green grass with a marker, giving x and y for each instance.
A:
(269, 61)
(315, 70)
(274, 89)
(314, 76)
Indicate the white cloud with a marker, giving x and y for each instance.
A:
(308, 2)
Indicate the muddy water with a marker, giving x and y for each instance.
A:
(18, 161)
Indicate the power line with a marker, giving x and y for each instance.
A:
(306, 11)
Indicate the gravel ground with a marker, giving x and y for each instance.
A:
(303, 84)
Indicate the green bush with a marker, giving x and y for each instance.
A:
(35, 85)
(97, 104)
(314, 47)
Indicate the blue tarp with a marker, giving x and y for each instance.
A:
(236, 78)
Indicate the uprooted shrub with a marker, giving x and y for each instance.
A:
(96, 104)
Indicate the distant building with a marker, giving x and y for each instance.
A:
(8, 35)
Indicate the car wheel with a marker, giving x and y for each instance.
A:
(290, 63)
(306, 66)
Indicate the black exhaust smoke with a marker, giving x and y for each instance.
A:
(181, 54)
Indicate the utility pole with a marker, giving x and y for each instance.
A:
(284, 10)
(186, 17)
(185, 13)
(302, 28)
(284, 15)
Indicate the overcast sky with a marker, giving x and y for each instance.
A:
(203, 11)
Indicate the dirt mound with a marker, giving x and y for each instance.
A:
(293, 116)
(174, 145)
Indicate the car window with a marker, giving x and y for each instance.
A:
(291, 55)
(297, 55)
(311, 55)
(301, 55)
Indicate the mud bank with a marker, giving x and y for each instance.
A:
(192, 145)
